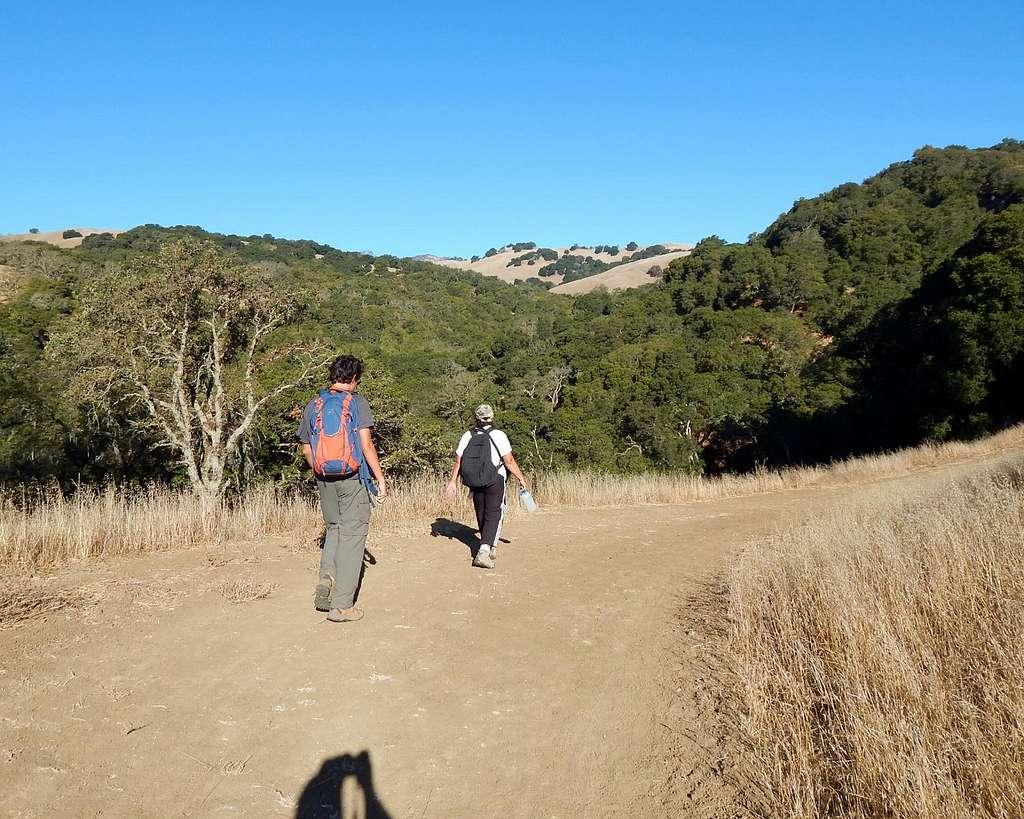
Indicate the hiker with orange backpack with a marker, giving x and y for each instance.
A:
(337, 443)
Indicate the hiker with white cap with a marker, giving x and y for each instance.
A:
(483, 460)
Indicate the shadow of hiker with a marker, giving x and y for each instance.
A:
(368, 560)
(342, 789)
(453, 530)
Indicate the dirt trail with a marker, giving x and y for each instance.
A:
(544, 688)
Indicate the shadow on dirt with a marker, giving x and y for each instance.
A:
(342, 789)
(453, 530)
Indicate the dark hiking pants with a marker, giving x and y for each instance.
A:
(489, 504)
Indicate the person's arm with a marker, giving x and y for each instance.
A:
(302, 433)
(452, 488)
(372, 461)
(513, 467)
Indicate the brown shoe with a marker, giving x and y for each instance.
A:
(322, 595)
(345, 615)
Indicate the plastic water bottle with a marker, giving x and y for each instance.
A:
(527, 500)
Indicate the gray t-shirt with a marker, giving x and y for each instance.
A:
(364, 417)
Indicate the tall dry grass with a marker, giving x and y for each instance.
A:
(582, 489)
(881, 656)
(48, 530)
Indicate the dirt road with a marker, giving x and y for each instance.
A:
(545, 688)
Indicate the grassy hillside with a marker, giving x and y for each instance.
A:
(69, 237)
(584, 268)
(637, 273)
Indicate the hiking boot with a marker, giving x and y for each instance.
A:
(345, 615)
(322, 595)
(484, 558)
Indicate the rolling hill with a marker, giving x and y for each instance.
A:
(56, 237)
(621, 276)
(624, 276)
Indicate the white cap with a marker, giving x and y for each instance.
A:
(484, 413)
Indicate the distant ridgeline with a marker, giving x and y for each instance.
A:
(875, 315)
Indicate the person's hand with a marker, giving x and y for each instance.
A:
(382, 491)
(450, 489)
(522, 483)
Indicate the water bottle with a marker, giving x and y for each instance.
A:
(527, 500)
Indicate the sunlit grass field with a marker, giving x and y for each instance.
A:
(879, 654)
(47, 529)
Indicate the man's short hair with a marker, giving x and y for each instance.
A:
(345, 368)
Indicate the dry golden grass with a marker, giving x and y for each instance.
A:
(880, 656)
(50, 530)
(22, 600)
(246, 589)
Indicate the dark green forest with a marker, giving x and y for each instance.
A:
(876, 315)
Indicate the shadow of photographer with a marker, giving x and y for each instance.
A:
(342, 789)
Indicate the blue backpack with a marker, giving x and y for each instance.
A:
(334, 435)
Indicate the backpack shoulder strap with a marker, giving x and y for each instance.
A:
(494, 443)
(353, 407)
(316, 419)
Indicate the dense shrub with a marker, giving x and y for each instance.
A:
(545, 253)
(574, 267)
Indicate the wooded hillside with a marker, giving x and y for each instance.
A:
(874, 315)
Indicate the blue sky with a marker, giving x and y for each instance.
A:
(449, 127)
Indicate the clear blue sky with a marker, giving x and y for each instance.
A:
(447, 127)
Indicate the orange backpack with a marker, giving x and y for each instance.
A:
(334, 435)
